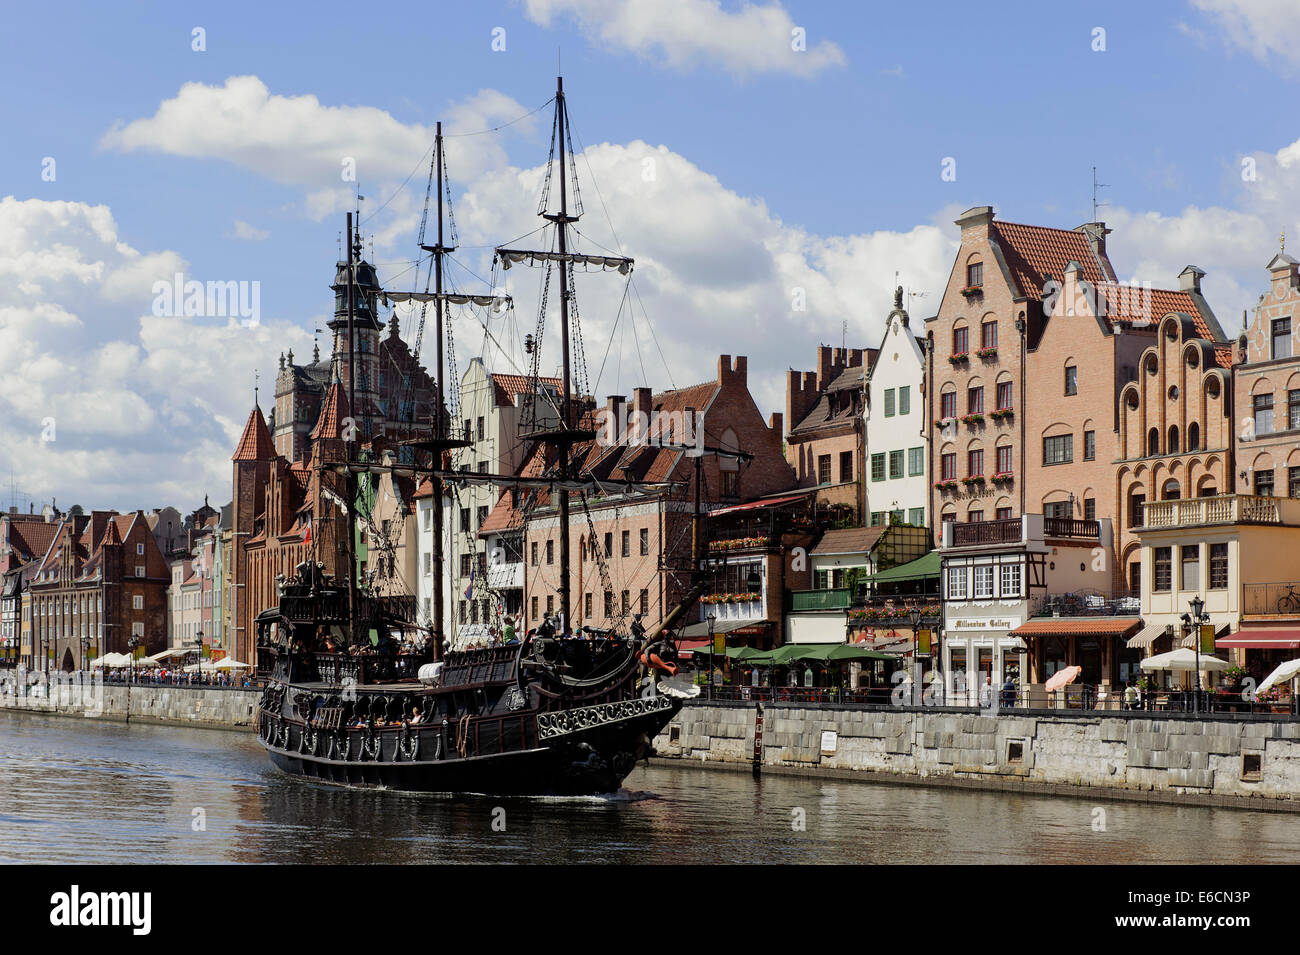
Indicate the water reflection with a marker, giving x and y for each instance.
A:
(82, 791)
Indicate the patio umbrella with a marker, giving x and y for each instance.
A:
(1282, 674)
(226, 663)
(849, 652)
(1183, 659)
(1062, 678)
(204, 667)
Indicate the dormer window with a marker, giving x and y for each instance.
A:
(974, 274)
(1281, 338)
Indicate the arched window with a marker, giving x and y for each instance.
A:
(1153, 441)
(1193, 437)
(1173, 439)
(1171, 491)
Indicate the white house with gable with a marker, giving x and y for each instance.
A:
(897, 484)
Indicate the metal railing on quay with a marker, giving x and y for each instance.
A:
(1076, 698)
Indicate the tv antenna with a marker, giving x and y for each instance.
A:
(1095, 186)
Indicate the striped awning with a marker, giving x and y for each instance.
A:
(1143, 639)
(1189, 642)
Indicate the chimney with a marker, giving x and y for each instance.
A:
(740, 369)
(977, 221)
(1096, 233)
(724, 367)
(776, 424)
(825, 361)
(855, 357)
(1189, 279)
(1070, 291)
(612, 427)
(800, 394)
(642, 400)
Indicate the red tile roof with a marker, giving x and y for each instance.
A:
(1033, 252)
(507, 386)
(255, 444)
(1079, 627)
(1140, 306)
(332, 412)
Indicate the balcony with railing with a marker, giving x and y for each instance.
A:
(1088, 604)
(976, 533)
(1221, 509)
(839, 598)
(1071, 528)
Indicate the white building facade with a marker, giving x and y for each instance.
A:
(896, 469)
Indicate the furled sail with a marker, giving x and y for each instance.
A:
(510, 256)
(454, 298)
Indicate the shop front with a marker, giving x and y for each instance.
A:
(979, 651)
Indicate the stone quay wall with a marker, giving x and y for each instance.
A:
(217, 707)
(1244, 760)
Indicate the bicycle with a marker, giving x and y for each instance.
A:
(1290, 601)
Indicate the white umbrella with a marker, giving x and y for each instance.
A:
(1183, 659)
(168, 654)
(228, 663)
(112, 660)
(205, 667)
(1283, 673)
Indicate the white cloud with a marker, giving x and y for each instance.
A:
(685, 34)
(1264, 28)
(248, 233)
(299, 141)
(146, 410)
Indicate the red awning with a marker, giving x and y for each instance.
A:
(755, 505)
(692, 644)
(1262, 639)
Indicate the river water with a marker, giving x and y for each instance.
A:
(80, 791)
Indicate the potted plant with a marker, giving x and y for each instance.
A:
(1002, 414)
(973, 479)
(989, 351)
(959, 358)
(970, 291)
(973, 418)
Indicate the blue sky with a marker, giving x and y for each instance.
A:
(818, 170)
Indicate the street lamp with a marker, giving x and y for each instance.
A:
(914, 618)
(198, 646)
(1199, 616)
(711, 618)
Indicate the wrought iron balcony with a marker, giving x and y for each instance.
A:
(1089, 604)
(1072, 528)
(1008, 531)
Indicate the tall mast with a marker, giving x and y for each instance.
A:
(438, 427)
(562, 225)
(563, 437)
(440, 441)
(349, 448)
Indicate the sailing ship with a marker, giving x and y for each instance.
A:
(554, 713)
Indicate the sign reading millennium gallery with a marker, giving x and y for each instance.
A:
(984, 623)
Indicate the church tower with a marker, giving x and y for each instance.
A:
(367, 328)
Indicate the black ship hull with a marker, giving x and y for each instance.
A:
(587, 750)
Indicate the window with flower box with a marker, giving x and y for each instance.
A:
(1004, 459)
(948, 466)
(975, 463)
(959, 341)
(1004, 396)
(975, 400)
(989, 335)
(975, 275)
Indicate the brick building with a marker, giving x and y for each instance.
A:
(824, 410)
(393, 391)
(632, 550)
(990, 316)
(103, 581)
(284, 513)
